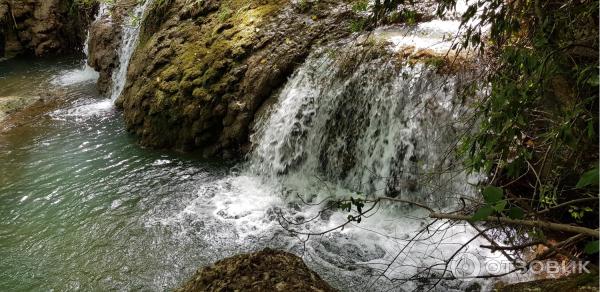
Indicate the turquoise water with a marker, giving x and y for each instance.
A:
(84, 208)
(79, 198)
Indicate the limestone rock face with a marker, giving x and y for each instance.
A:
(43, 27)
(267, 270)
(104, 41)
(204, 68)
(105, 35)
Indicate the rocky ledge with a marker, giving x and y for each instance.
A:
(267, 270)
(203, 69)
(43, 27)
(12, 104)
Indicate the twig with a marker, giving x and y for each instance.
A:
(531, 223)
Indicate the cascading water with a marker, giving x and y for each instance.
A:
(86, 73)
(129, 41)
(353, 122)
(372, 126)
(350, 122)
(358, 122)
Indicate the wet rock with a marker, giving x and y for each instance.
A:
(267, 270)
(103, 47)
(214, 64)
(104, 41)
(43, 27)
(12, 104)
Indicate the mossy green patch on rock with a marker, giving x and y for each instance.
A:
(202, 69)
(11, 104)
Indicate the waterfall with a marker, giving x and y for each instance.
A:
(129, 41)
(374, 126)
(86, 73)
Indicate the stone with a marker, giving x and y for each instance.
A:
(226, 58)
(11, 104)
(43, 27)
(267, 270)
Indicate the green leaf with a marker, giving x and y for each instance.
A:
(516, 213)
(499, 206)
(591, 247)
(594, 81)
(588, 178)
(492, 194)
(482, 213)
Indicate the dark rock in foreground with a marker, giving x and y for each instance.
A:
(267, 270)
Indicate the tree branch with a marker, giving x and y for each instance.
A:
(531, 223)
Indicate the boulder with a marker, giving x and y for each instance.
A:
(102, 50)
(267, 270)
(43, 27)
(11, 104)
(104, 43)
(202, 69)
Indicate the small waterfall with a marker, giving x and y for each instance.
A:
(86, 73)
(373, 125)
(129, 41)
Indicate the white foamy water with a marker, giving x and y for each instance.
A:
(130, 35)
(339, 129)
(129, 40)
(84, 109)
(436, 35)
(87, 73)
(76, 76)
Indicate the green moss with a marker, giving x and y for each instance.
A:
(434, 61)
(171, 73)
(201, 93)
(168, 86)
(204, 62)
(158, 102)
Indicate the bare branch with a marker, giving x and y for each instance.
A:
(531, 223)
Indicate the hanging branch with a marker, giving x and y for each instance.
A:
(530, 223)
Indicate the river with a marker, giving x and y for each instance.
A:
(84, 207)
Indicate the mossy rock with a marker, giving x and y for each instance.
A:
(267, 270)
(209, 57)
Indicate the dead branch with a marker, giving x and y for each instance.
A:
(530, 223)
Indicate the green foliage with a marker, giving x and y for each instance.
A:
(494, 203)
(538, 125)
(516, 213)
(577, 213)
(591, 247)
(360, 6)
(589, 178)
(347, 206)
(225, 13)
(482, 213)
(358, 25)
(492, 194)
